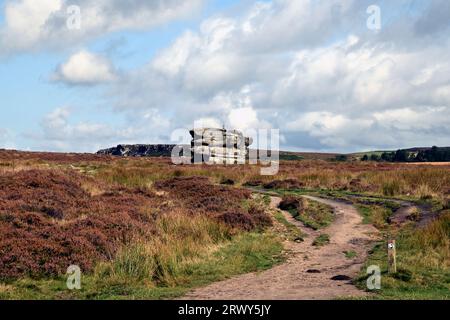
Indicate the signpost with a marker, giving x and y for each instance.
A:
(392, 257)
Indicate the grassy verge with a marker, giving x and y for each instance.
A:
(423, 260)
(128, 276)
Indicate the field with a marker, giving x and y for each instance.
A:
(146, 229)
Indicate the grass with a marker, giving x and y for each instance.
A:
(128, 276)
(316, 215)
(350, 254)
(388, 179)
(313, 214)
(423, 262)
(321, 240)
(374, 210)
(375, 215)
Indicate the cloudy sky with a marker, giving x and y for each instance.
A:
(332, 75)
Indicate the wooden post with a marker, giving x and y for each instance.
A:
(392, 257)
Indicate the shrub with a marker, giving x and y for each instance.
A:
(228, 182)
(239, 220)
(284, 184)
(260, 217)
(290, 203)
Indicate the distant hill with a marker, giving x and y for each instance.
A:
(416, 154)
(287, 155)
(165, 150)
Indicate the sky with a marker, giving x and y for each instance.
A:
(331, 75)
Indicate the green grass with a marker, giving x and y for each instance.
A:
(423, 263)
(321, 240)
(357, 197)
(350, 254)
(366, 213)
(266, 200)
(314, 215)
(247, 252)
(375, 215)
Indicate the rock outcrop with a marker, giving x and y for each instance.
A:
(140, 150)
(219, 146)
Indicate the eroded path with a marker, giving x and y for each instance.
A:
(307, 273)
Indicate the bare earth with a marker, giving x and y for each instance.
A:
(291, 280)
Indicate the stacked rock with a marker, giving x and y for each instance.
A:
(219, 146)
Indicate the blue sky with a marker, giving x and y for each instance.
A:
(313, 69)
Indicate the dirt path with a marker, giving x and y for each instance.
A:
(407, 208)
(307, 273)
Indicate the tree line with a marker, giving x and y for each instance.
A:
(434, 154)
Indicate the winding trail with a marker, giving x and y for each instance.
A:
(307, 274)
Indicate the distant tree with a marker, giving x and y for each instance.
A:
(436, 154)
(420, 157)
(365, 158)
(433, 154)
(388, 156)
(375, 157)
(401, 156)
(446, 155)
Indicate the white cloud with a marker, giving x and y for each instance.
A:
(85, 68)
(243, 118)
(56, 127)
(318, 123)
(172, 60)
(419, 120)
(206, 123)
(31, 25)
(59, 132)
(391, 128)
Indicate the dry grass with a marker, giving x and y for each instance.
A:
(432, 244)
(378, 179)
(163, 260)
(393, 179)
(423, 262)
